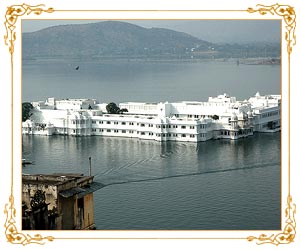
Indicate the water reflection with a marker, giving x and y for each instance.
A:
(219, 184)
(116, 160)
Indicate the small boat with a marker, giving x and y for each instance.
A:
(26, 162)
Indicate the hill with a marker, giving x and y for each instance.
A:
(110, 39)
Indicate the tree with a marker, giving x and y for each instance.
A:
(112, 108)
(26, 110)
(121, 111)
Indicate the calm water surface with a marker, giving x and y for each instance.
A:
(146, 81)
(211, 185)
(150, 185)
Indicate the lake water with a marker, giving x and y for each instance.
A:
(146, 81)
(220, 184)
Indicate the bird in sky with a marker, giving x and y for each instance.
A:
(77, 68)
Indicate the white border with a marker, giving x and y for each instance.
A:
(139, 5)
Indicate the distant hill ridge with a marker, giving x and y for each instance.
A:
(109, 38)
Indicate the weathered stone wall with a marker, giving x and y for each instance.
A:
(29, 190)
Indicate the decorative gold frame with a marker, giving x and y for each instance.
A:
(14, 236)
(289, 17)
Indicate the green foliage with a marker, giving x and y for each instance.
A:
(26, 110)
(122, 111)
(112, 108)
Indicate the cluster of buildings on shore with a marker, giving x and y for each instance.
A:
(221, 117)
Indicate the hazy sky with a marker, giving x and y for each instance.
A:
(218, 31)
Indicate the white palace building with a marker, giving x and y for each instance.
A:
(221, 117)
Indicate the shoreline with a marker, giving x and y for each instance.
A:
(238, 61)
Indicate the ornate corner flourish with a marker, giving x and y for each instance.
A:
(11, 231)
(289, 232)
(289, 17)
(11, 17)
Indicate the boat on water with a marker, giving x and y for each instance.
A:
(26, 162)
